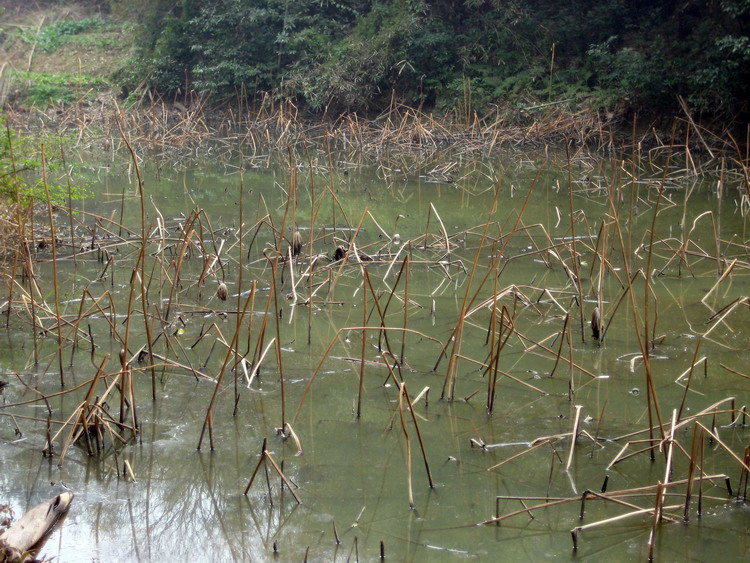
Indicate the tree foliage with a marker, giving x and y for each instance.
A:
(357, 54)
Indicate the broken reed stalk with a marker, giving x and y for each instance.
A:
(598, 313)
(408, 445)
(142, 263)
(364, 344)
(640, 512)
(342, 262)
(383, 336)
(668, 447)
(95, 419)
(266, 456)
(330, 346)
(588, 494)
(261, 332)
(95, 307)
(562, 333)
(571, 372)
(690, 377)
(187, 235)
(449, 384)
(726, 448)
(711, 410)
(83, 409)
(613, 497)
(524, 452)
(131, 298)
(642, 340)
(410, 404)
(722, 277)
(494, 363)
(55, 284)
(614, 309)
(697, 438)
(657, 517)
(492, 269)
(208, 421)
(744, 477)
(311, 295)
(21, 246)
(573, 436)
(406, 307)
(240, 269)
(70, 202)
(277, 314)
(574, 251)
(491, 328)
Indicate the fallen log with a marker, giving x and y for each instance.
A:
(28, 534)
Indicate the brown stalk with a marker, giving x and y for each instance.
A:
(240, 269)
(406, 308)
(524, 452)
(573, 436)
(266, 456)
(410, 404)
(364, 344)
(142, 261)
(330, 347)
(383, 333)
(408, 445)
(448, 390)
(277, 314)
(697, 439)
(55, 284)
(562, 333)
(690, 377)
(658, 509)
(208, 421)
(726, 448)
(574, 252)
(494, 362)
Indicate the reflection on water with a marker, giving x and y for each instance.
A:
(186, 504)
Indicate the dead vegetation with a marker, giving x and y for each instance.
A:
(183, 268)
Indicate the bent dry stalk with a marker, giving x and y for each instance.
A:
(500, 327)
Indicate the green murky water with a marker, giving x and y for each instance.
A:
(351, 476)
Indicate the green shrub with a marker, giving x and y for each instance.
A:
(356, 54)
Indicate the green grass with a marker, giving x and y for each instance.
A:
(52, 37)
(23, 172)
(95, 40)
(42, 89)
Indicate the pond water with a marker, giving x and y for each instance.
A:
(165, 494)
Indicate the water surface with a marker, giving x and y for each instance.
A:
(351, 476)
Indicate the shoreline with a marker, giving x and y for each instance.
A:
(405, 130)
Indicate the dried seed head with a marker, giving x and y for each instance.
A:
(222, 292)
(296, 244)
(339, 253)
(597, 326)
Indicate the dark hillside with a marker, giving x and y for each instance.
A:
(357, 54)
(464, 59)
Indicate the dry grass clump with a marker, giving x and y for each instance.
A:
(193, 124)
